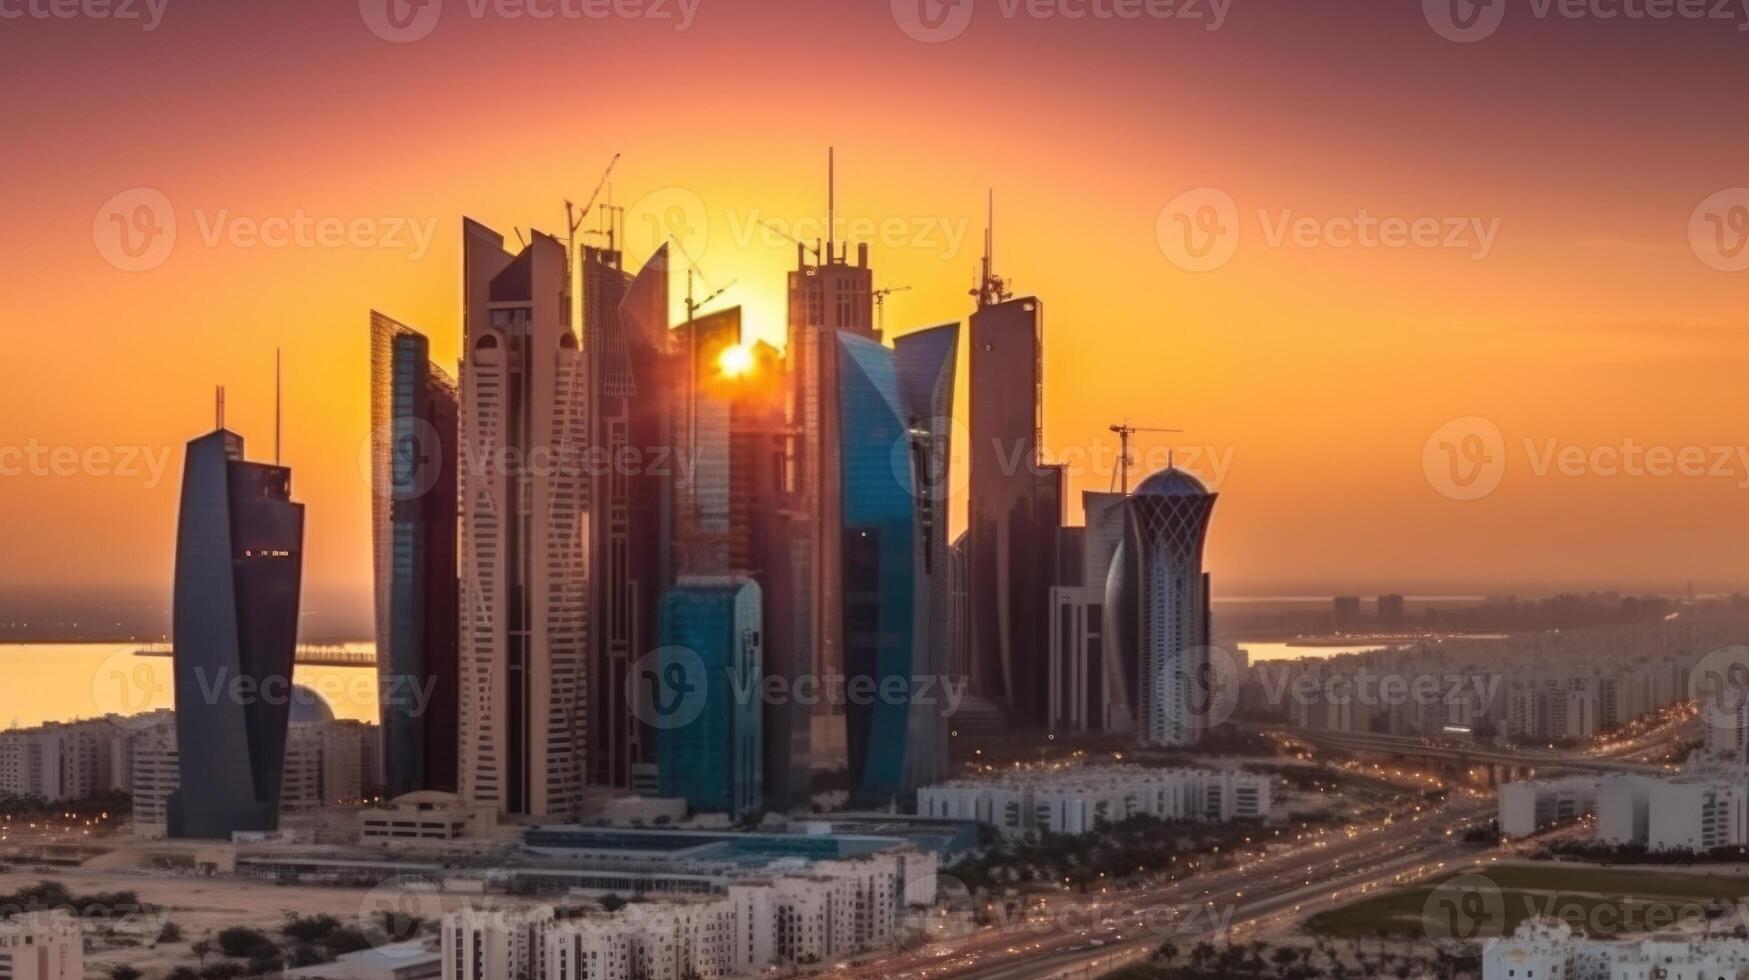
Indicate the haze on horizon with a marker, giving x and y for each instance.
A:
(1309, 378)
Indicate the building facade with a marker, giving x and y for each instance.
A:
(1014, 511)
(524, 598)
(882, 569)
(414, 469)
(1158, 604)
(239, 559)
(711, 628)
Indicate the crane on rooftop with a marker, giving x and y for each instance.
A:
(1125, 459)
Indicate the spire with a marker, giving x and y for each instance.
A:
(218, 406)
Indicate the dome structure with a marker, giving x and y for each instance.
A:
(1172, 482)
(308, 706)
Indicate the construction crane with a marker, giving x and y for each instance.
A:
(880, 301)
(1124, 431)
(575, 218)
(814, 250)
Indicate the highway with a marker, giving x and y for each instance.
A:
(1074, 932)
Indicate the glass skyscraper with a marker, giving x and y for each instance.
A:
(1158, 603)
(239, 563)
(710, 667)
(414, 406)
(882, 565)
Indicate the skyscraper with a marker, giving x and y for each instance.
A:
(1014, 512)
(1091, 683)
(413, 519)
(825, 298)
(766, 545)
(523, 529)
(715, 758)
(925, 362)
(631, 370)
(1158, 607)
(239, 562)
(882, 569)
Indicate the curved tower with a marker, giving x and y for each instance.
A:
(1157, 595)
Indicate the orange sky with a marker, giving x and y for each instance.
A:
(1317, 372)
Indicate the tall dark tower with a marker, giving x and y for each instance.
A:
(239, 562)
(1016, 504)
(414, 465)
(826, 297)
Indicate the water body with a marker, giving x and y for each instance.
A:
(1279, 650)
(44, 682)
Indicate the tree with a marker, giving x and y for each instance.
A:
(612, 903)
(1167, 952)
(201, 948)
(170, 933)
(124, 972)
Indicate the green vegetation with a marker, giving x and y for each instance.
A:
(1599, 901)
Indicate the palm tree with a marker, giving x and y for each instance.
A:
(1167, 952)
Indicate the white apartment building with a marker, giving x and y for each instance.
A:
(1528, 806)
(42, 946)
(326, 762)
(1078, 801)
(1550, 950)
(1696, 811)
(58, 761)
(823, 912)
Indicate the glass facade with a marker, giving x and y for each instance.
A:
(414, 408)
(881, 568)
(239, 563)
(711, 662)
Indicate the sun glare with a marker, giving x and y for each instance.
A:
(735, 361)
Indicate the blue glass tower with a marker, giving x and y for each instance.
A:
(239, 560)
(882, 564)
(711, 664)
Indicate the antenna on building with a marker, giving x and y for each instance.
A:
(276, 407)
(992, 288)
(219, 406)
(831, 199)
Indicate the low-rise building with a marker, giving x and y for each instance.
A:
(1530, 805)
(426, 815)
(1080, 800)
(42, 946)
(1551, 950)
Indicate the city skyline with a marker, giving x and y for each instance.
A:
(1319, 368)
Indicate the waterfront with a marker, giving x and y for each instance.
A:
(64, 681)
